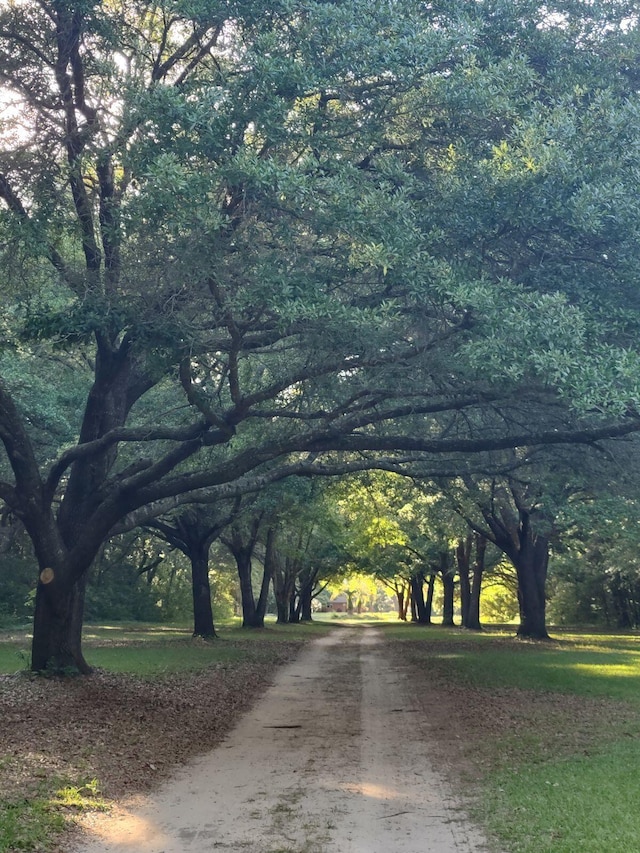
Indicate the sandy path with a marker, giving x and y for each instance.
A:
(328, 761)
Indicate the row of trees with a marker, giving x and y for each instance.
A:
(412, 539)
(241, 244)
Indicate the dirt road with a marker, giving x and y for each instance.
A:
(329, 761)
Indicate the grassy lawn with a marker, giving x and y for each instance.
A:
(554, 733)
(151, 649)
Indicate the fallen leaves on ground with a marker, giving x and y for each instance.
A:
(125, 731)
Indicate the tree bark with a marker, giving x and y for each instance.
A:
(242, 542)
(428, 604)
(202, 612)
(531, 565)
(57, 626)
(463, 560)
(193, 531)
(511, 529)
(417, 597)
(473, 614)
(306, 599)
(448, 584)
(250, 617)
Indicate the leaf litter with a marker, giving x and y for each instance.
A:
(125, 731)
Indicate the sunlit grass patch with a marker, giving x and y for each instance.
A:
(610, 668)
(83, 795)
(132, 632)
(615, 675)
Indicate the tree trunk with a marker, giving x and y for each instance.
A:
(263, 599)
(402, 605)
(463, 560)
(57, 626)
(202, 613)
(281, 595)
(306, 599)
(473, 615)
(448, 584)
(428, 604)
(294, 609)
(283, 587)
(531, 565)
(250, 618)
(414, 609)
(417, 597)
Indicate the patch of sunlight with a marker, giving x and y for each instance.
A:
(127, 828)
(619, 670)
(83, 796)
(406, 793)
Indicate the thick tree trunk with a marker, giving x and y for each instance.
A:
(282, 587)
(414, 609)
(306, 599)
(263, 598)
(250, 618)
(202, 613)
(473, 615)
(57, 626)
(417, 598)
(282, 611)
(253, 612)
(192, 531)
(294, 609)
(531, 565)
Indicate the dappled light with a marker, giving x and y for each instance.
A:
(126, 829)
(608, 670)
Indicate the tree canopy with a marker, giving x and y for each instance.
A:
(312, 238)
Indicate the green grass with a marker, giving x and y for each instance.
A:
(605, 665)
(31, 819)
(13, 657)
(150, 650)
(154, 659)
(559, 776)
(586, 803)
(28, 823)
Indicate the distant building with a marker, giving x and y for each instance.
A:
(338, 604)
